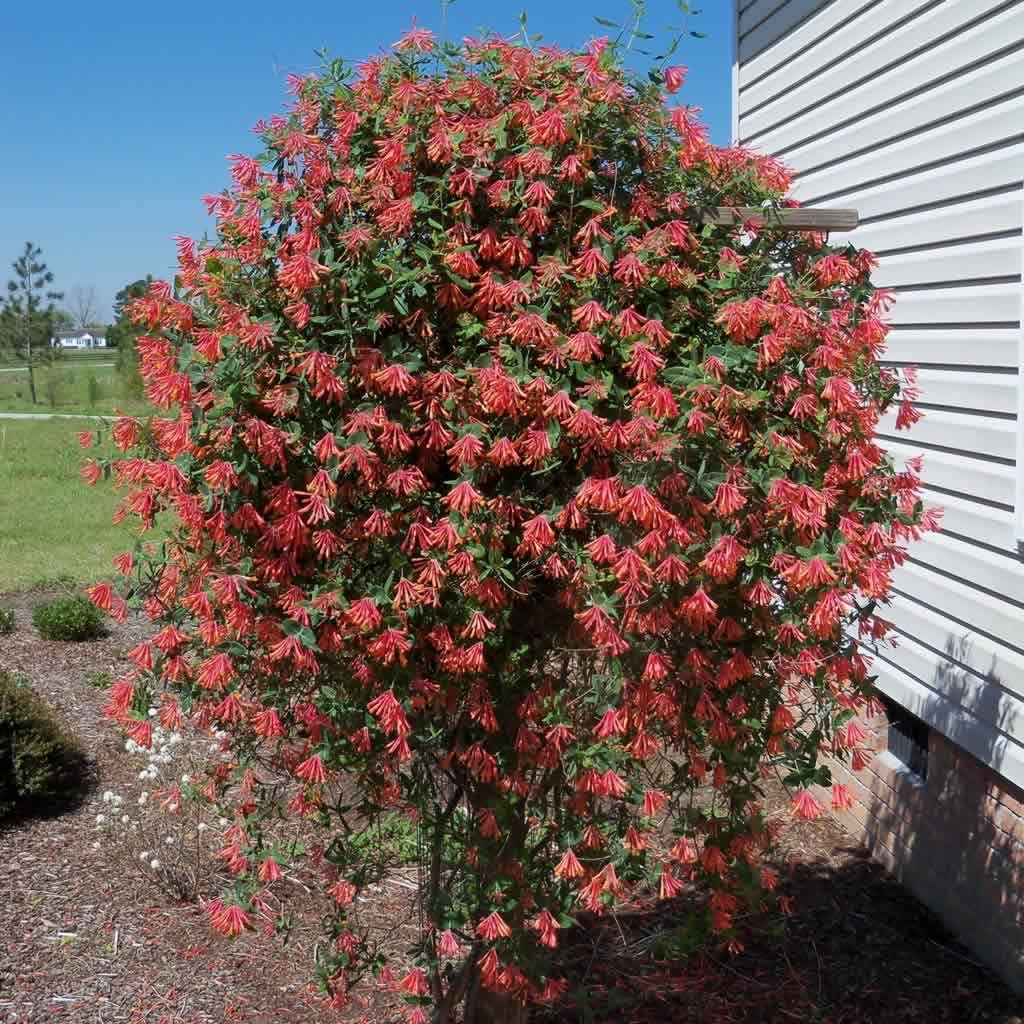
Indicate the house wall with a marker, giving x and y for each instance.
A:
(954, 838)
(912, 111)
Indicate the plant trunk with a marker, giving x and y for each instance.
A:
(486, 1007)
(31, 372)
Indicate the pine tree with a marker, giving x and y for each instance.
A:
(28, 310)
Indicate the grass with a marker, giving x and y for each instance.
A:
(53, 526)
(64, 387)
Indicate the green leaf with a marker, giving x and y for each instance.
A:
(606, 22)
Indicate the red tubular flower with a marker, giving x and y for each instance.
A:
(547, 928)
(269, 871)
(842, 798)
(805, 806)
(227, 919)
(569, 866)
(414, 983)
(493, 927)
(141, 733)
(674, 78)
(311, 770)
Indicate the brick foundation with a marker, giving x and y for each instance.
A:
(955, 839)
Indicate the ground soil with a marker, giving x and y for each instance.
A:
(84, 938)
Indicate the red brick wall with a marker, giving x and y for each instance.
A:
(955, 839)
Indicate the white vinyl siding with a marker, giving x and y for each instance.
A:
(912, 112)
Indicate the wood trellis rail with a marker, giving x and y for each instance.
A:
(808, 218)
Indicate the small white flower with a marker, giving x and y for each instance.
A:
(144, 855)
(223, 822)
(142, 775)
(108, 796)
(100, 818)
(142, 800)
(202, 826)
(125, 819)
(118, 800)
(152, 712)
(154, 864)
(169, 840)
(96, 845)
(186, 778)
(214, 747)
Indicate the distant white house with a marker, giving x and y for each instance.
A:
(78, 339)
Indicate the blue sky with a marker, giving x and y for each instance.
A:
(117, 117)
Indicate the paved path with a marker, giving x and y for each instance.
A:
(89, 363)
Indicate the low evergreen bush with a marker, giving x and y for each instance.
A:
(6, 620)
(68, 618)
(41, 767)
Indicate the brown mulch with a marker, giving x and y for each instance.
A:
(85, 937)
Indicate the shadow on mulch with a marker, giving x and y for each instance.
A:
(857, 948)
(81, 782)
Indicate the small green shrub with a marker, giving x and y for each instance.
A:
(41, 767)
(68, 618)
(391, 839)
(100, 680)
(6, 620)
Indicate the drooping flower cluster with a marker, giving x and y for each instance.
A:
(506, 492)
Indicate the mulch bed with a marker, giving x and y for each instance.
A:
(85, 938)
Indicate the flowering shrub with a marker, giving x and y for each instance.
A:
(165, 838)
(507, 495)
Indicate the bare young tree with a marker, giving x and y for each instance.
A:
(84, 305)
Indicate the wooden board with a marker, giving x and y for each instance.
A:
(801, 219)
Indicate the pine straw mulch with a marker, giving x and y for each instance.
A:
(87, 937)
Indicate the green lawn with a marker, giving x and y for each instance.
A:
(64, 387)
(52, 524)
